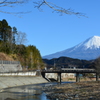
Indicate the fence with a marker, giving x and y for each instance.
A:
(9, 62)
(19, 73)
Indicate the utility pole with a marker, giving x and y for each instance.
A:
(31, 59)
(38, 67)
(54, 65)
(11, 41)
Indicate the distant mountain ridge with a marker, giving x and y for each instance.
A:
(87, 50)
(66, 62)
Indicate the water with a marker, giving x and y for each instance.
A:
(27, 92)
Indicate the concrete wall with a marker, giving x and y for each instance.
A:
(63, 75)
(33, 73)
(10, 66)
(68, 75)
(6, 82)
(8, 79)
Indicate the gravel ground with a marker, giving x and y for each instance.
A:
(74, 91)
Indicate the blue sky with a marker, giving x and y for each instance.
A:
(50, 32)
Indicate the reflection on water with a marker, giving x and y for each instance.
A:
(29, 92)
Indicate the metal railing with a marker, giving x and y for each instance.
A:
(70, 71)
(9, 62)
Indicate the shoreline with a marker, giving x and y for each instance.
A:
(74, 91)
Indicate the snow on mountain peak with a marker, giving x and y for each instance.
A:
(93, 42)
(89, 49)
(90, 43)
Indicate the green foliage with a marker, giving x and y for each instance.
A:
(34, 56)
(7, 37)
(67, 62)
(27, 55)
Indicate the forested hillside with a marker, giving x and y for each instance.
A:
(11, 43)
(66, 62)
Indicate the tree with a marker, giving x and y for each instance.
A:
(14, 33)
(11, 3)
(7, 36)
(34, 58)
(56, 8)
(20, 38)
(97, 65)
(5, 31)
(38, 5)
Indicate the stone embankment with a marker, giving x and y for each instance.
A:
(12, 81)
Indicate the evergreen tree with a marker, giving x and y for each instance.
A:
(28, 56)
(7, 36)
(14, 34)
(34, 56)
(4, 29)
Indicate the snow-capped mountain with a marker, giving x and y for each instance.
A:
(88, 50)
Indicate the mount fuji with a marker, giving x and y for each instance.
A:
(87, 50)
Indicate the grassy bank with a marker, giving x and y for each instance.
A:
(82, 79)
(75, 91)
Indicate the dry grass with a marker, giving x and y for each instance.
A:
(6, 57)
(75, 91)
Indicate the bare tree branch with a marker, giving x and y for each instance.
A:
(2, 2)
(7, 2)
(21, 38)
(56, 8)
(14, 13)
(12, 3)
(38, 5)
